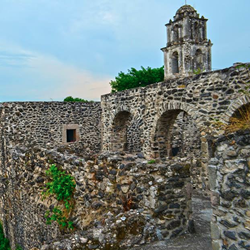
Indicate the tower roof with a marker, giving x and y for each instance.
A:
(185, 8)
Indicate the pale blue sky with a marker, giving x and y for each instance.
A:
(50, 49)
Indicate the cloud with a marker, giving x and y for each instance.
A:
(70, 80)
(36, 76)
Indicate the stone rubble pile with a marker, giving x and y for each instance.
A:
(120, 200)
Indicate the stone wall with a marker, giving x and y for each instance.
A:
(153, 111)
(120, 200)
(45, 123)
(229, 172)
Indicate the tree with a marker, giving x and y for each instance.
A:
(137, 78)
(72, 99)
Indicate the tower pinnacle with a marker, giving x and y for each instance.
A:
(188, 48)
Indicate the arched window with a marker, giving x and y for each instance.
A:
(196, 31)
(176, 34)
(199, 59)
(175, 63)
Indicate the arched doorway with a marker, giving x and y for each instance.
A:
(176, 135)
(119, 131)
(177, 141)
(126, 133)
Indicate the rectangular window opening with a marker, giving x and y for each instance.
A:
(71, 135)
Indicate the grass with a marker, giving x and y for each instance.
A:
(241, 121)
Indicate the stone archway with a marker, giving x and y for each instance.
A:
(119, 141)
(172, 123)
(178, 132)
(235, 105)
(125, 133)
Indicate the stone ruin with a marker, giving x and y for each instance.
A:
(136, 156)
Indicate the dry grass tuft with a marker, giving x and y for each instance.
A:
(241, 121)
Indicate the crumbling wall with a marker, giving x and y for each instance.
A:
(120, 200)
(205, 98)
(42, 123)
(229, 175)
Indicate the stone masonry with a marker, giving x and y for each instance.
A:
(149, 114)
(188, 48)
(229, 172)
(135, 157)
(120, 200)
(45, 124)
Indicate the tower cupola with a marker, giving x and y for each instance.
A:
(188, 48)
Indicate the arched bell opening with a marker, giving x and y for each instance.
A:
(175, 63)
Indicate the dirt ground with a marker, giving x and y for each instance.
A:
(200, 240)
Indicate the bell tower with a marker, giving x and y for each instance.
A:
(188, 48)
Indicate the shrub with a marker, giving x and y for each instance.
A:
(137, 78)
(62, 186)
(72, 99)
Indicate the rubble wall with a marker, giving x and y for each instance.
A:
(120, 200)
(204, 97)
(153, 115)
(229, 172)
(43, 123)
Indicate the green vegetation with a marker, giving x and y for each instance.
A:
(4, 242)
(62, 186)
(198, 71)
(72, 99)
(246, 89)
(58, 215)
(151, 161)
(137, 78)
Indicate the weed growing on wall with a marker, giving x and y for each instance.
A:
(62, 187)
(246, 89)
(4, 242)
(198, 71)
(151, 161)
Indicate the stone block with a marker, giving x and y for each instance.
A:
(215, 199)
(212, 175)
(215, 231)
(230, 234)
(216, 245)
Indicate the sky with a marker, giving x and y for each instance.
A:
(50, 49)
